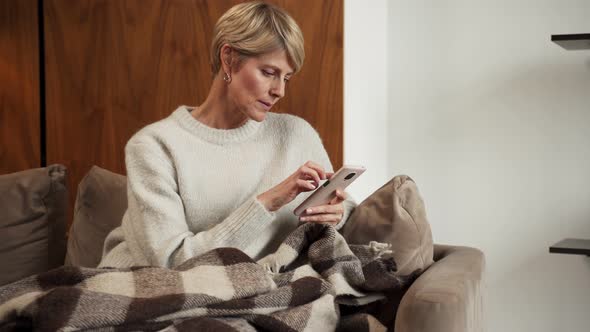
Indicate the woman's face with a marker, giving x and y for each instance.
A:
(259, 82)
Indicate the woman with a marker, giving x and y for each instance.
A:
(227, 173)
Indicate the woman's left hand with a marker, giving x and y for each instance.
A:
(330, 213)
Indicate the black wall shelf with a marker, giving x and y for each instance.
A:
(580, 41)
(571, 246)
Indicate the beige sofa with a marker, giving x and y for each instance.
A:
(447, 296)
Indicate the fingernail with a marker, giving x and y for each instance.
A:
(308, 211)
(303, 218)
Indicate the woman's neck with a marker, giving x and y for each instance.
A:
(218, 111)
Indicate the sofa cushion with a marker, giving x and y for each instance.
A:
(394, 214)
(101, 202)
(32, 222)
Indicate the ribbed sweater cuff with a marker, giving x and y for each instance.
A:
(244, 225)
(349, 206)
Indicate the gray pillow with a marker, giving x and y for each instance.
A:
(33, 207)
(394, 214)
(100, 204)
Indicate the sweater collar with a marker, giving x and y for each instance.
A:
(217, 136)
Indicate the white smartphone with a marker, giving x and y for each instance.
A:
(324, 194)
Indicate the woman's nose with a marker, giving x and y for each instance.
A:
(278, 89)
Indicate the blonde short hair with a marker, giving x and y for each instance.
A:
(256, 28)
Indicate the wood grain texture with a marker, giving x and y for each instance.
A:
(19, 86)
(316, 93)
(113, 67)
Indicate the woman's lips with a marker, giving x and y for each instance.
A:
(265, 105)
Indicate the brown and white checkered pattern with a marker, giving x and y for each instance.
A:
(298, 288)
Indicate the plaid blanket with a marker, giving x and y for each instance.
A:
(298, 288)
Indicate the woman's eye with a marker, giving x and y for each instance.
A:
(267, 73)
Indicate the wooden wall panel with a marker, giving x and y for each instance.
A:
(317, 92)
(114, 66)
(19, 86)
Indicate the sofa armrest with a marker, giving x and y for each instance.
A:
(447, 297)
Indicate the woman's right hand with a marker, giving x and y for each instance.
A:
(306, 178)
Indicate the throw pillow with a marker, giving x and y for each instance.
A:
(32, 222)
(394, 214)
(100, 204)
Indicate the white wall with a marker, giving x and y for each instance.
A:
(492, 120)
(365, 93)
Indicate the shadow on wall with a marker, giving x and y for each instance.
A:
(517, 131)
(531, 85)
(548, 291)
(540, 258)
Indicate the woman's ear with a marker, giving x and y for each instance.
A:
(226, 55)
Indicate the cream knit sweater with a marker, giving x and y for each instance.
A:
(192, 188)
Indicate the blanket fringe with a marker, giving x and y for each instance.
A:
(380, 249)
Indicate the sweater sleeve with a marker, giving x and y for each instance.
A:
(319, 155)
(155, 227)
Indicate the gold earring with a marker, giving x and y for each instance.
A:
(226, 77)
